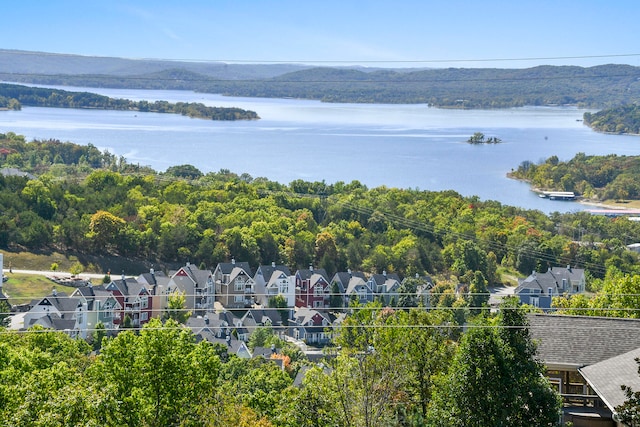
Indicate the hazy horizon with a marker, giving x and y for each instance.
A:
(381, 34)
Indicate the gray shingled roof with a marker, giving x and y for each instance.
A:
(16, 172)
(582, 340)
(606, 377)
(550, 279)
(306, 274)
(53, 321)
(227, 267)
(268, 270)
(65, 304)
(356, 283)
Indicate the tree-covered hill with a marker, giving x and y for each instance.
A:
(593, 87)
(20, 62)
(184, 215)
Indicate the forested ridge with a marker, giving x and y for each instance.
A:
(610, 177)
(183, 215)
(13, 96)
(593, 87)
(622, 119)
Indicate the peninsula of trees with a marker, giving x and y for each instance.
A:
(610, 177)
(623, 119)
(13, 96)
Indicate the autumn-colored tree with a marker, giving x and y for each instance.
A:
(104, 228)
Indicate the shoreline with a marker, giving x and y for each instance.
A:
(604, 204)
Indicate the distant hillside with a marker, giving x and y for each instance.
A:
(602, 86)
(41, 63)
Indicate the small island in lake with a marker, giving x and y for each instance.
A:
(478, 138)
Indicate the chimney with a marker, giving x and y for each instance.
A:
(273, 264)
(228, 339)
(273, 349)
(384, 273)
(564, 284)
(569, 268)
(54, 292)
(349, 271)
(311, 268)
(550, 291)
(233, 261)
(206, 319)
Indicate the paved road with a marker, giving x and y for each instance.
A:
(53, 273)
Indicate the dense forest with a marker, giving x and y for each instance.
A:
(610, 177)
(594, 87)
(622, 119)
(183, 215)
(13, 96)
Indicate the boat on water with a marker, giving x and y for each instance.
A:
(557, 195)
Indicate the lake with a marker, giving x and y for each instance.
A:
(406, 146)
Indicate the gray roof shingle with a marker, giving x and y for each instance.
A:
(582, 340)
(607, 376)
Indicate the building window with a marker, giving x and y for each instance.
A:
(238, 285)
(535, 301)
(318, 304)
(318, 290)
(144, 316)
(144, 302)
(238, 298)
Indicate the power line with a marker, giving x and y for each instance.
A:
(329, 61)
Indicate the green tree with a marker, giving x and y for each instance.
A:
(104, 228)
(97, 335)
(478, 293)
(260, 337)
(176, 307)
(39, 198)
(280, 302)
(495, 369)
(184, 171)
(336, 299)
(76, 268)
(158, 378)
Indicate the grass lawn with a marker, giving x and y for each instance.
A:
(42, 262)
(22, 288)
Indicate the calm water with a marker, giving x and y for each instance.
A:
(407, 146)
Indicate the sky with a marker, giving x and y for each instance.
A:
(376, 33)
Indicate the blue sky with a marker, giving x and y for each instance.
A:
(389, 33)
